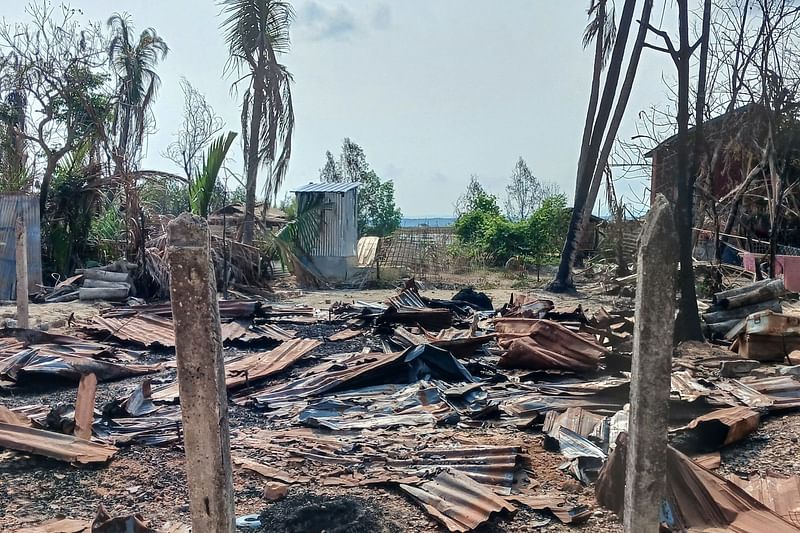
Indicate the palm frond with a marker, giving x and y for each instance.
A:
(602, 25)
(201, 189)
(256, 28)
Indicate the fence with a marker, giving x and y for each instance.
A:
(428, 254)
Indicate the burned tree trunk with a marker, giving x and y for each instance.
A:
(563, 281)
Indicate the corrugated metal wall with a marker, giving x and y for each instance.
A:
(338, 230)
(11, 206)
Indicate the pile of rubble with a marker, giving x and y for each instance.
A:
(432, 398)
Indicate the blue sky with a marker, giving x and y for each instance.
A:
(433, 90)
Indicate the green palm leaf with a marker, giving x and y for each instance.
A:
(202, 185)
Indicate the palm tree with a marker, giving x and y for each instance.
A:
(590, 152)
(602, 30)
(616, 120)
(257, 31)
(204, 181)
(134, 62)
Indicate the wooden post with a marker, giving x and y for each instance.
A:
(645, 476)
(22, 275)
(201, 375)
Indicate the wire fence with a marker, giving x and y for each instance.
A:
(428, 254)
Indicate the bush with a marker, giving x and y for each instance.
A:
(482, 229)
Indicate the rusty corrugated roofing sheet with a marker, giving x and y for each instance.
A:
(244, 331)
(457, 501)
(779, 493)
(146, 330)
(239, 372)
(543, 344)
(227, 309)
(54, 445)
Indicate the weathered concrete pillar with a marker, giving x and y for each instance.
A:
(645, 476)
(22, 275)
(201, 375)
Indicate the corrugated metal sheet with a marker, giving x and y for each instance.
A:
(251, 367)
(457, 501)
(328, 187)
(147, 330)
(12, 206)
(779, 493)
(338, 229)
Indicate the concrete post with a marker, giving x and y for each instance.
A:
(645, 476)
(201, 375)
(22, 275)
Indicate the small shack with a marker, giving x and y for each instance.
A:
(334, 253)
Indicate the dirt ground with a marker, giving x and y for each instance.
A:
(151, 481)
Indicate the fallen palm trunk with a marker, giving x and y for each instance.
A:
(105, 293)
(724, 295)
(726, 315)
(764, 293)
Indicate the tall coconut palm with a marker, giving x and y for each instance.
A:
(589, 154)
(257, 32)
(134, 62)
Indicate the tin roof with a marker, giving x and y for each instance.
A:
(328, 187)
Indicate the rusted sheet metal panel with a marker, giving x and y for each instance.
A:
(697, 499)
(544, 344)
(738, 421)
(147, 330)
(784, 391)
(54, 445)
(242, 330)
(338, 230)
(227, 309)
(12, 206)
(576, 419)
(457, 501)
(252, 367)
(30, 363)
(325, 377)
(779, 493)
(367, 250)
(13, 341)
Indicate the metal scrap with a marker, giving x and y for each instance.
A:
(457, 501)
(557, 505)
(723, 426)
(30, 363)
(697, 499)
(143, 329)
(244, 370)
(779, 493)
(243, 331)
(416, 363)
(542, 344)
(54, 445)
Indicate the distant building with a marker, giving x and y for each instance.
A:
(334, 253)
(731, 132)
